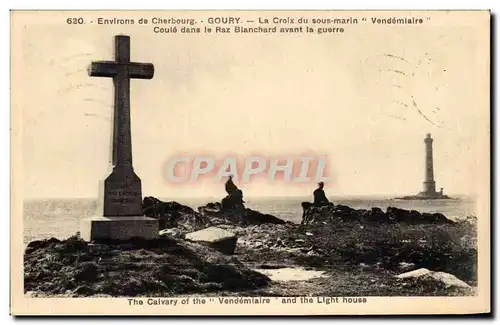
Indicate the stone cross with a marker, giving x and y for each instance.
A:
(122, 188)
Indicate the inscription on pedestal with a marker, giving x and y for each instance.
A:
(122, 194)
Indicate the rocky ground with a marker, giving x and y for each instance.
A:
(357, 253)
(160, 267)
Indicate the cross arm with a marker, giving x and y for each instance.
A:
(111, 69)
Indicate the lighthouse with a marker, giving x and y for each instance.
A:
(429, 183)
(429, 192)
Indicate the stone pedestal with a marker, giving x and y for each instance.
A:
(118, 228)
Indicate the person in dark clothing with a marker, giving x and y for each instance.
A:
(234, 199)
(320, 200)
(230, 187)
(319, 196)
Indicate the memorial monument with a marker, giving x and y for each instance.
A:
(122, 216)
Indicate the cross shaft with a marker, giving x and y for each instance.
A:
(121, 70)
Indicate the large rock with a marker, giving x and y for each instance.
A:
(342, 213)
(174, 215)
(415, 217)
(217, 238)
(217, 215)
(329, 213)
(448, 280)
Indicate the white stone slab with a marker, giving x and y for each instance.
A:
(118, 228)
(210, 235)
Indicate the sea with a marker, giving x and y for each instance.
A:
(60, 218)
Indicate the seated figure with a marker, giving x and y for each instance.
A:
(319, 200)
(234, 199)
(230, 186)
(319, 196)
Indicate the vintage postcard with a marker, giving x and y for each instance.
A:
(250, 162)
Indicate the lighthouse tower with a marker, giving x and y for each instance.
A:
(429, 192)
(429, 183)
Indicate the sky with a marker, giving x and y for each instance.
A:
(365, 99)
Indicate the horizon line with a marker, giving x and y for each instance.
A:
(173, 198)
